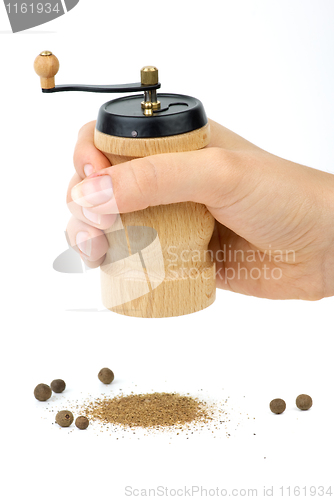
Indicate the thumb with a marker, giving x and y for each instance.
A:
(200, 176)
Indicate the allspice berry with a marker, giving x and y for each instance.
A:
(277, 406)
(106, 375)
(58, 385)
(82, 422)
(42, 392)
(304, 402)
(64, 418)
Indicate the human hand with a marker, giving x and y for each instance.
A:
(274, 232)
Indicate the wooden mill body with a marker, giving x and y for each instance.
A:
(185, 283)
(166, 270)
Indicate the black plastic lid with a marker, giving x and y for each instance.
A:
(124, 117)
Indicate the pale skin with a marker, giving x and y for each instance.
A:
(263, 205)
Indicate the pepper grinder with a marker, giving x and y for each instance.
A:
(158, 263)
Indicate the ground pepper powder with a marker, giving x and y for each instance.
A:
(153, 410)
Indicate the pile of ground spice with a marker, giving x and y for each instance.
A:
(154, 410)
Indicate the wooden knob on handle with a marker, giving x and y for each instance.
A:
(46, 66)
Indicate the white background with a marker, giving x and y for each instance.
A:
(263, 69)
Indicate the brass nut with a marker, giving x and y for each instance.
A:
(156, 105)
(150, 105)
(149, 75)
(146, 105)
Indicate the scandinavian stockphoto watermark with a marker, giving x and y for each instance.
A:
(139, 240)
(238, 264)
(137, 261)
(24, 15)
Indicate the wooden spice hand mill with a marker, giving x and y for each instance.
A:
(158, 263)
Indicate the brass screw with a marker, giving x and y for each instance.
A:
(149, 76)
(46, 53)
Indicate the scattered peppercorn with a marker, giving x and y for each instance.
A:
(277, 406)
(82, 422)
(42, 392)
(64, 418)
(304, 402)
(58, 385)
(106, 375)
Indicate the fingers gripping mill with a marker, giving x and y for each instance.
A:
(158, 263)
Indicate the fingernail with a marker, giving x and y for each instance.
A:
(84, 242)
(96, 218)
(93, 191)
(88, 169)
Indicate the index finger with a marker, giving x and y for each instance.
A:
(87, 158)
